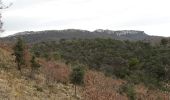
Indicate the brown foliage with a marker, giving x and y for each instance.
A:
(99, 87)
(143, 93)
(56, 72)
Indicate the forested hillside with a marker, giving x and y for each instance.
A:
(56, 35)
(85, 69)
(134, 61)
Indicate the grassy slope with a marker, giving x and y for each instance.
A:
(13, 86)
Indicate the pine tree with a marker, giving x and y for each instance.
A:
(77, 77)
(19, 53)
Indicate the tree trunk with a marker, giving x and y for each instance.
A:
(19, 68)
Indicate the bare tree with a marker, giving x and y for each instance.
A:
(2, 6)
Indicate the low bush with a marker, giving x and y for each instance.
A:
(56, 72)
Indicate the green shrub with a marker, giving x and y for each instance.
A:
(128, 89)
(132, 63)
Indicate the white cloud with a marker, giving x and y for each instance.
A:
(151, 16)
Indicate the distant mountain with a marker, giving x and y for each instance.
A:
(55, 35)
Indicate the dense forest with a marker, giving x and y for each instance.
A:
(134, 61)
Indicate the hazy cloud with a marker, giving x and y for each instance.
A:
(151, 16)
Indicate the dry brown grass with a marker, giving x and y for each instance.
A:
(14, 86)
(6, 46)
(6, 60)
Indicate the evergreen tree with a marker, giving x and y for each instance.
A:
(19, 53)
(77, 77)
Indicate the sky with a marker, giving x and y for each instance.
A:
(151, 16)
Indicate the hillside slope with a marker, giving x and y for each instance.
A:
(14, 86)
(97, 86)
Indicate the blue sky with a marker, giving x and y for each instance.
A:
(151, 16)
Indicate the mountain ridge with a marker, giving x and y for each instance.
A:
(55, 35)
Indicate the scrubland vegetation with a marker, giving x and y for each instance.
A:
(135, 62)
(85, 69)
